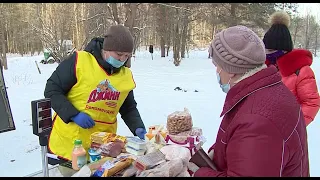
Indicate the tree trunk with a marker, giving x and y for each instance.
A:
(162, 28)
(169, 38)
(4, 52)
(316, 40)
(76, 41)
(233, 9)
(184, 35)
(3, 38)
(131, 16)
(115, 12)
(306, 45)
(176, 46)
(295, 33)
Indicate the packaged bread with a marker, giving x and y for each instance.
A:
(179, 121)
(105, 137)
(95, 165)
(118, 166)
(110, 168)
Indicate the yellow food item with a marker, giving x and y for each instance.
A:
(104, 137)
(97, 164)
(120, 165)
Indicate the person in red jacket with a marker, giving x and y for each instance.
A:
(293, 64)
(262, 132)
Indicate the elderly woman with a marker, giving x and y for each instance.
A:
(263, 132)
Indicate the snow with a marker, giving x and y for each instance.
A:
(155, 95)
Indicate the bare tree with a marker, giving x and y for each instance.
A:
(3, 36)
(316, 39)
(31, 27)
(296, 27)
(307, 37)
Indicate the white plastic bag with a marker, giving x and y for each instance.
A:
(173, 152)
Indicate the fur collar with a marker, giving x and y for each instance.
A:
(293, 61)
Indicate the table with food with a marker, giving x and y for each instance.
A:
(165, 152)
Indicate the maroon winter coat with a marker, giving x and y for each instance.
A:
(263, 132)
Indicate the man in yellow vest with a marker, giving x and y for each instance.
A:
(89, 89)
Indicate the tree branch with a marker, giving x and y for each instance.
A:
(182, 8)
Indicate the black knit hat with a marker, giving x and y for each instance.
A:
(278, 37)
(118, 38)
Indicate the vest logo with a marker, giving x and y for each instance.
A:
(104, 91)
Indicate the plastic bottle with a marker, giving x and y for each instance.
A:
(79, 155)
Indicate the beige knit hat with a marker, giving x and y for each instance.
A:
(237, 50)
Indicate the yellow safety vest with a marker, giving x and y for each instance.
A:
(96, 93)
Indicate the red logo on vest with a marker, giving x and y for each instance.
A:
(104, 91)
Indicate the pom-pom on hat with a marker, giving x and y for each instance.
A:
(278, 37)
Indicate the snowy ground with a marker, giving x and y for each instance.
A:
(156, 98)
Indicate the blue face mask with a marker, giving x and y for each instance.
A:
(225, 87)
(115, 62)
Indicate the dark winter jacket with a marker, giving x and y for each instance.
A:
(63, 79)
(298, 76)
(263, 132)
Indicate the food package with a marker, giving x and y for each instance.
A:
(104, 137)
(136, 143)
(95, 145)
(136, 146)
(112, 149)
(153, 147)
(95, 165)
(171, 168)
(117, 167)
(149, 161)
(136, 152)
(179, 121)
(172, 152)
(156, 134)
(111, 167)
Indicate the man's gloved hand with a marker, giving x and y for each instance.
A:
(83, 120)
(140, 132)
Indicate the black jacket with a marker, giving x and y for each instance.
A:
(63, 79)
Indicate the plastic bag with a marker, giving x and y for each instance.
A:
(129, 172)
(179, 121)
(173, 152)
(171, 168)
